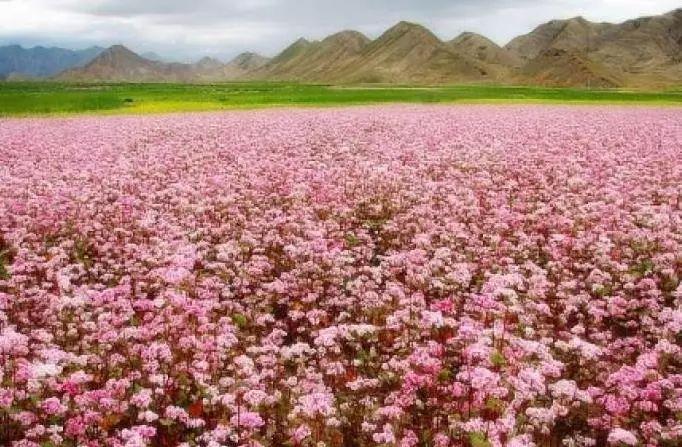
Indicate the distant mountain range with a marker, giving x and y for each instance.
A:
(39, 62)
(644, 52)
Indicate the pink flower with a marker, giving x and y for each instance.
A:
(314, 404)
(301, 432)
(618, 436)
(386, 436)
(248, 420)
(53, 406)
(6, 397)
(491, 270)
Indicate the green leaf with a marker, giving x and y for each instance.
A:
(494, 404)
(478, 440)
(497, 359)
(444, 375)
(352, 240)
(240, 320)
(644, 268)
(4, 273)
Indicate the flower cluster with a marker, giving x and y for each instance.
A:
(395, 276)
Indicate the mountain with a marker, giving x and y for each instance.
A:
(120, 64)
(645, 52)
(248, 61)
(567, 68)
(315, 61)
(500, 62)
(575, 34)
(41, 61)
(242, 65)
(641, 52)
(483, 49)
(210, 69)
(410, 53)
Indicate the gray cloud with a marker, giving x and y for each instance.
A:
(189, 29)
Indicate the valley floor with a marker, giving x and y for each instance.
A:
(26, 99)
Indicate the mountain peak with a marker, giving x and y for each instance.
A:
(468, 36)
(248, 61)
(118, 48)
(247, 55)
(350, 40)
(404, 24)
(293, 50)
(413, 30)
(207, 62)
(301, 41)
(579, 20)
(345, 36)
(405, 27)
(482, 49)
(118, 52)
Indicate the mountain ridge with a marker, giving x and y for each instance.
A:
(573, 52)
(40, 61)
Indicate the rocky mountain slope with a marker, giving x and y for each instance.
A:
(318, 61)
(645, 52)
(410, 53)
(641, 52)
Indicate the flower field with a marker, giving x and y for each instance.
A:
(469, 276)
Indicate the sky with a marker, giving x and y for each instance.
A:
(190, 29)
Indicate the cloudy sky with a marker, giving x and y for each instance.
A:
(188, 29)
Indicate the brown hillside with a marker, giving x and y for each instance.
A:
(566, 68)
(409, 53)
(315, 61)
(645, 52)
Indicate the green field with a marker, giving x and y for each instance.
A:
(39, 98)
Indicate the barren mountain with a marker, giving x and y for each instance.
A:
(242, 65)
(408, 53)
(248, 61)
(318, 61)
(566, 68)
(499, 61)
(118, 63)
(483, 49)
(645, 52)
(289, 58)
(210, 69)
(576, 34)
(641, 52)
